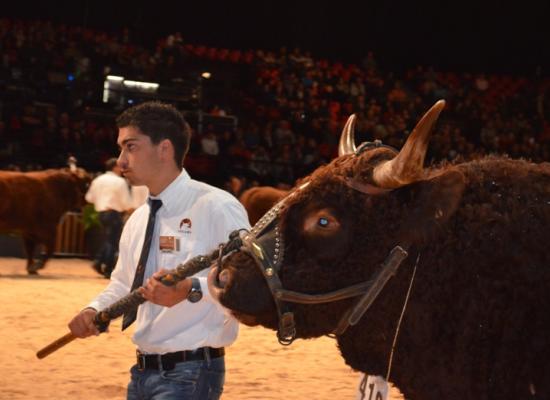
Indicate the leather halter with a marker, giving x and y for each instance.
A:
(265, 244)
(369, 145)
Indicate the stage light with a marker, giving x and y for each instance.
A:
(141, 85)
(114, 78)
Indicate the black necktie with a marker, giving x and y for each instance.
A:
(154, 205)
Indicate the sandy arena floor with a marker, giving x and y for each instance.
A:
(36, 310)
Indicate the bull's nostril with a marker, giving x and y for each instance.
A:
(223, 278)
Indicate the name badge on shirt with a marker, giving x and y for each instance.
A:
(169, 243)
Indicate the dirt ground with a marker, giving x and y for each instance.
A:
(35, 311)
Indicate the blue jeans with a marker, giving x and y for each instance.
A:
(112, 224)
(189, 380)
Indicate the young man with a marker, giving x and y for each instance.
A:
(179, 334)
(110, 195)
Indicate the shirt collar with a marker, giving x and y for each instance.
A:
(171, 193)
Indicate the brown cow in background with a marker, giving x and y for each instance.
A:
(32, 203)
(259, 199)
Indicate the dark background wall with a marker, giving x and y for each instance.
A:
(481, 35)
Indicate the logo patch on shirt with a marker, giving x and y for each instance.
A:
(185, 225)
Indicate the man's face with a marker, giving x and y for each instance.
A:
(139, 158)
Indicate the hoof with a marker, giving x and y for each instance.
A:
(106, 271)
(36, 265)
(33, 268)
(97, 267)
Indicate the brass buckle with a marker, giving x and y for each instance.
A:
(140, 361)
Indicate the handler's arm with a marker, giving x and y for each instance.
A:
(158, 293)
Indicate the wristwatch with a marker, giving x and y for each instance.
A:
(195, 293)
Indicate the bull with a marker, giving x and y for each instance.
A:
(32, 204)
(435, 278)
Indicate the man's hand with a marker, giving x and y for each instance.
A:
(82, 325)
(158, 293)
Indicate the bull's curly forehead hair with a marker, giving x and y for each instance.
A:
(159, 121)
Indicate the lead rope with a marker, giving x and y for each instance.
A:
(401, 319)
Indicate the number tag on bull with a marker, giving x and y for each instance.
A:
(372, 387)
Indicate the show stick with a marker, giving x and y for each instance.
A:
(134, 298)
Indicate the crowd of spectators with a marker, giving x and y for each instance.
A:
(290, 112)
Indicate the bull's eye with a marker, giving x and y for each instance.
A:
(324, 233)
(321, 222)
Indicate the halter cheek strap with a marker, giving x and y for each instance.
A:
(266, 246)
(286, 332)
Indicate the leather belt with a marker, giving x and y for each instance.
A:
(168, 361)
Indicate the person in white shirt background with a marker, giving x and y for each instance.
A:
(110, 195)
(139, 195)
(181, 332)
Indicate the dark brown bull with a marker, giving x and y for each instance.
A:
(32, 204)
(259, 199)
(477, 320)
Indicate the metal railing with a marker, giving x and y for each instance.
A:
(70, 239)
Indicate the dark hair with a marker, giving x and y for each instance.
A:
(110, 164)
(159, 121)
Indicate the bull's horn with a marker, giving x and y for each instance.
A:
(407, 166)
(347, 138)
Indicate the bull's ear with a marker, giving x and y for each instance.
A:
(434, 201)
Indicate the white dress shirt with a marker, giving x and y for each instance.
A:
(200, 217)
(109, 191)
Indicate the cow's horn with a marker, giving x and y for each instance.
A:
(347, 138)
(407, 166)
